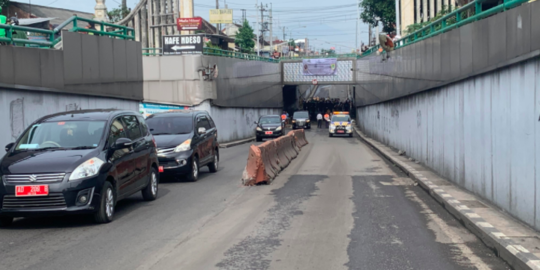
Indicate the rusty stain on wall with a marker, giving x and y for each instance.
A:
(16, 110)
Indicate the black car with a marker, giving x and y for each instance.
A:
(186, 141)
(80, 162)
(301, 120)
(269, 126)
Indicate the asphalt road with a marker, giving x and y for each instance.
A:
(337, 206)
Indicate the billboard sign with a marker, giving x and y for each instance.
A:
(182, 44)
(320, 67)
(189, 23)
(221, 16)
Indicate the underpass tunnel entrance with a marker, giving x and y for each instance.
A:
(318, 99)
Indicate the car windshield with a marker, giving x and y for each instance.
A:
(341, 118)
(170, 125)
(270, 120)
(300, 115)
(62, 135)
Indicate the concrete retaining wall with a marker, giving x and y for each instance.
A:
(235, 123)
(18, 109)
(481, 133)
(238, 83)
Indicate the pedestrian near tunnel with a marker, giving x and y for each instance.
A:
(327, 119)
(385, 40)
(319, 120)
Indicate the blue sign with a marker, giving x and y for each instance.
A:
(147, 109)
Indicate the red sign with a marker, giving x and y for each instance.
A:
(189, 23)
(333, 48)
(314, 81)
(24, 191)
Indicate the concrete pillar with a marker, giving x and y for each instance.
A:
(100, 13)
(144, 27)
(137, 25)
(425, 10)
(186, 11)
(418, 17)
(432, 8)
(149, 14)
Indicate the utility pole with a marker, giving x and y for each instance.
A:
(284, 35)
(217, 24)
(398, 18)
(271, 31)
(258, 44)
(369, 39)
(357, 22)
(243, 15)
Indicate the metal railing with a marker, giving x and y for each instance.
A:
(116, 31)
(464, 15)
(216, 52)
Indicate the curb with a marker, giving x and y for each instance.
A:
(514, 254)
(235, 143)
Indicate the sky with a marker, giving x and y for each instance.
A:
(325, 23)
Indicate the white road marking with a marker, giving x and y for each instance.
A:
(472, 215)
(500, 235)
(484, 224)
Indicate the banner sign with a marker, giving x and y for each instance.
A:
(183, 44)
(320, 67)
(189, 23)
(147, 109)
(285, 50)
(221, 16)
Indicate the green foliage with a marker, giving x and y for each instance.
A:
(329, 52)
(210, 45)
(244, 38)
(117, 14)
(4, 3)
(292, 43)
(376, 11)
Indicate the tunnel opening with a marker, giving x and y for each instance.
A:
(318, 99)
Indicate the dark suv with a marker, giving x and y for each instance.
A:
(301, 120)
(186, 141)
(78, 162)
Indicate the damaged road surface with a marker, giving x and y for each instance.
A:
(338, 205)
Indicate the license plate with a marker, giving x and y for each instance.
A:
(25, 191)
(268, 133)
(341, 131)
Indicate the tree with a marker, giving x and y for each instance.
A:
(292, 44)
(117, 14)
(244, 38)
(329, 52)
(375, 11)
(4, 3)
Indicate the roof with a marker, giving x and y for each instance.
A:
(59, 15)
(24, 22)
(98, 114)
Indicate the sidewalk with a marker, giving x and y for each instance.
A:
(514, 242)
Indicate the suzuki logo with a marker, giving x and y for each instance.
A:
(33, 178)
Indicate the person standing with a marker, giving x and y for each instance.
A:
(385, 40)
(327, 119)
(319, 120)
(17, 34)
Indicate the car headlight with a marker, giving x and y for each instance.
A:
(294, 121)
(349, 127)
(307, 121)
(259, 129)
(332, 126)
(88, 168)
(185, 146)
(278, 129)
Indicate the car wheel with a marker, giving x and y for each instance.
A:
(259, 139)
(350, 135)
(330, 135)
(213, 167)
(6, 221)
(194, 173)
(150, 192)
(105, 213)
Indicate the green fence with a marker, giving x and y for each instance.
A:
(111, 30)
(469, 13)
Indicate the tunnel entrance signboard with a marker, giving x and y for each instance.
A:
(314, 82)
(320, 67)
(182, 44)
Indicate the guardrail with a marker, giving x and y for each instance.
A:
(117, 31)
(464, 15)
(216, 52)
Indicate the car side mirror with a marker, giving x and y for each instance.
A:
(201, 130)
(122, 143)
(256, 123)
(8, 146)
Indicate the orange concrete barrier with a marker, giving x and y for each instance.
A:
(266, 160)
